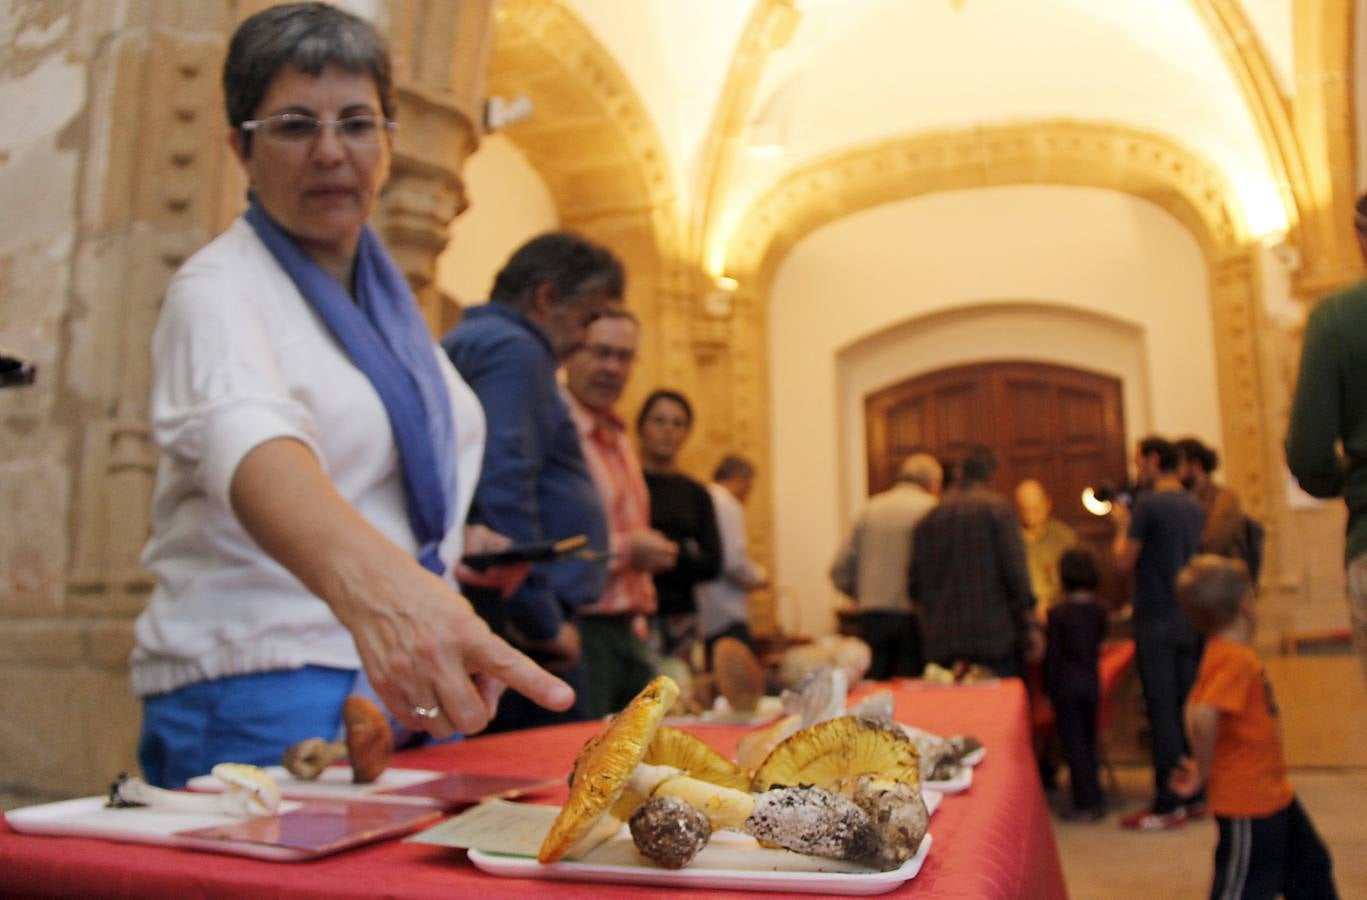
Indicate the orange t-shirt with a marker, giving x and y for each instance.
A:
(1248, 775)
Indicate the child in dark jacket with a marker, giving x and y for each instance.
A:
(1076, 628)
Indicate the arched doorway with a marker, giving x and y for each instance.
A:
(1062, 426)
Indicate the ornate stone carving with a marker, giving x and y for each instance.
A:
(593, 142)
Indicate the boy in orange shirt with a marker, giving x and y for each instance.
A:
(1268, 845)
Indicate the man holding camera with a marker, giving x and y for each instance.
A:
(1154, 541)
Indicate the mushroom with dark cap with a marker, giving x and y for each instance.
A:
(669, 832)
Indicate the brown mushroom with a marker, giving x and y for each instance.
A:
(669, 832)
(739, 676)
(367, 747)
(368, 739)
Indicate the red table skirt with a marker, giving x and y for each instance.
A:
(993, 841)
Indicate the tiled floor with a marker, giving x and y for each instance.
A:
(1103, 862)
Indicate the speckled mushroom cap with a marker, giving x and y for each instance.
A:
(605, 764)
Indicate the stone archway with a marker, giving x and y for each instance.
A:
(1116, 158)
(593, 143)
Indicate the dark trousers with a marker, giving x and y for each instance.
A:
(1168, 652)
(1272, 856)
(1075, 722)
(617, 663)
(516, 712)
(895, 639)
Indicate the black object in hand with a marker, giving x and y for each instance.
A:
(532, 551)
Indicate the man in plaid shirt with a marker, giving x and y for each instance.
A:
(969, 575)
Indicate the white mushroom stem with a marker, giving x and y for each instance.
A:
(724, 807)
(244, 794)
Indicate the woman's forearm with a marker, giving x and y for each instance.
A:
(419, 640)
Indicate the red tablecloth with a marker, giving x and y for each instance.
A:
(993, 841)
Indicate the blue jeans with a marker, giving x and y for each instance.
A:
(242, 718)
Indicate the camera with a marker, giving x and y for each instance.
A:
(1099, 499)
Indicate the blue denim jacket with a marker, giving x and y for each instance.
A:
(534, 484)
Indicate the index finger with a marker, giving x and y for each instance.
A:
(498, 659)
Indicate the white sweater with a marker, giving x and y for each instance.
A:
(240, 358)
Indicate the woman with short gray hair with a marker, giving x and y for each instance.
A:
(318, 450)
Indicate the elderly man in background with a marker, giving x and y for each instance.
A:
(723, 603)
(872, 567)
(534, 484)
(1046, 540)
(614, 629)
(969, 575)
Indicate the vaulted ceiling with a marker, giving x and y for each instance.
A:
(738, 96)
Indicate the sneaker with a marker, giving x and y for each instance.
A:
(1197, 810)
(1148, 820)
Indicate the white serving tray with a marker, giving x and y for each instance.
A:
(410, 787)
(961, 782)
(730, 861)
(301, 831)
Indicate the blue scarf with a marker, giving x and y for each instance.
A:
(385, 337)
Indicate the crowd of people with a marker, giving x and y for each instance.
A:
(954, 577)
(326, 467)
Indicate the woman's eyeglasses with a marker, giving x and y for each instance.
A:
(296, 128)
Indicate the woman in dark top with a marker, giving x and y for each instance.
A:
(680, 509)
(1077, 626)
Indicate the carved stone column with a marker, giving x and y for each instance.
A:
(440, 52)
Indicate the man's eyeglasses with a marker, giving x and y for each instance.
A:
(296, 128)
(603, 353)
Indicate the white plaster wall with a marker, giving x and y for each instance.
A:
(1077, 276)
(509, 203)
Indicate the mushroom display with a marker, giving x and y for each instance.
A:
(247, 791)
(612, 783)
(367, 747)
(873, 763)
(834, 753)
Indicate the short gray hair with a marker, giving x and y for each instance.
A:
(308, 37)
(922, 469)
(570, 263)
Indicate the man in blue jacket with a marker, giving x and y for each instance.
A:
(534, 484)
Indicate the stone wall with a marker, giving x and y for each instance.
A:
(113, 163)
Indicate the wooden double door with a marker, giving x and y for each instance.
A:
(1064, 427)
